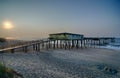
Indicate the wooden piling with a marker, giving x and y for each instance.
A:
(38, 47)
(81, 43)
(12, 50)
(25, 49)
(54, 44)
(77, 46)
(73, 45)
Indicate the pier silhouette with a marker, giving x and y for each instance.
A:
(60, 41)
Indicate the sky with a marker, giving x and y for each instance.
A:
(35, 19)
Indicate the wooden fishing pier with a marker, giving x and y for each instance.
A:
(61, 41)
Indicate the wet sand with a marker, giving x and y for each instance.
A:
(80, 63)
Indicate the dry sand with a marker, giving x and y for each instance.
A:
(80, 63)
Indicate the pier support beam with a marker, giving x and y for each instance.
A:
(25, 49)
(81, 43)
(77, 45)
(54, 44)
(38, 45)
(57, 43)
(73, 45)
(12, 50)
(60, 44)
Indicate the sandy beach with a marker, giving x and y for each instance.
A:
(77, 63)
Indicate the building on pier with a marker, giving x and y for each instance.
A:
(65, 35)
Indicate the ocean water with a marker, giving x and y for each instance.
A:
(114, 45)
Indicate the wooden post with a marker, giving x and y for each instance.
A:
(81, 42)
(42, 44)
(57, 43)
(25, 48)
(38, 47)
(84, 43)
(77, 46)
(103, 41)
(87, 42)
(49, 44)
(99, 42)
(91, 43)
(12, 50)
(73, 45)
(94, 43)
(46, 45)
(60, 44)
(65, 45)
(69, 44)
(33, 47)
(54, 45)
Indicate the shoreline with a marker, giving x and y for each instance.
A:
(76, 63)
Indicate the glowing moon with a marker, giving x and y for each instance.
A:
(7, 25)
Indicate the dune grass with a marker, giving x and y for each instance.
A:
(5, 72)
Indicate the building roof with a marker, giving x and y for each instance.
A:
(65, 33)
